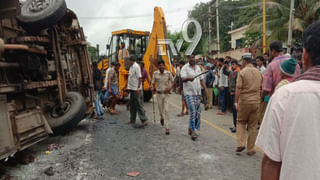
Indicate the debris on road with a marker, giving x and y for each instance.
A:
(48, 152)
(133, 173)
(113, 122)
(49, 171)
(52, 147)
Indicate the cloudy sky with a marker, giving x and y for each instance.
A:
(100, 17)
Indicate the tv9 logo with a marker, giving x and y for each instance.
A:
(168, 43)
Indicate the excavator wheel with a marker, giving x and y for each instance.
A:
(63, 120)
(37, 15)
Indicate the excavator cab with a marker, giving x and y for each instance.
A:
(135, 42)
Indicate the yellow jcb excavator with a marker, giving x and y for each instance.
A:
(143, 46)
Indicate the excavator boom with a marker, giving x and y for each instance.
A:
(159, 32)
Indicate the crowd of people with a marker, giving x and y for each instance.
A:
(257, 90)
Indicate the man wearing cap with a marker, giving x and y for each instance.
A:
(113, 87)
(134, 87)
(247, 104)
(272, 75)
(192, 91)
(162, 82)
(289, 135)
(288, 69)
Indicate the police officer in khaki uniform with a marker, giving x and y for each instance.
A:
(247, 103)
(164, 82)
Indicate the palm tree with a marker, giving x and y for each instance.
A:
(278, 11)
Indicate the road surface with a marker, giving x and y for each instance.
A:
(109, 149)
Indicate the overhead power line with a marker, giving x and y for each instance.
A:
(132, 16)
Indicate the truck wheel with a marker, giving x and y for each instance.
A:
(40, 14)
(147, 95)
(64, 120)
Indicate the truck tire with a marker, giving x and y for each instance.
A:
(42, 15)
(147, 95)
(75, 110)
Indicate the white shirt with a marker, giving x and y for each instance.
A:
(194, 87)
(223, 79)
(134, 76)
(215, 82)
(178, 71)
(106, 78)
(290, 130)
(262, 69)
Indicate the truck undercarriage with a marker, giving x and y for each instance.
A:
(45, 74)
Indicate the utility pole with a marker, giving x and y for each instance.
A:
(218, 27)
(290, 27)
(98, 50)
(209, 35)
(264, 41)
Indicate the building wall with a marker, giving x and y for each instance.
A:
(236, 54)
(237, 34)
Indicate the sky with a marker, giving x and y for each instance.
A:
(100, 17)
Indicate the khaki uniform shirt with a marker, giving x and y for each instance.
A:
(163, 80)
(250, 82)
(114, 76)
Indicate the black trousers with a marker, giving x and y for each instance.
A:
(136, 107)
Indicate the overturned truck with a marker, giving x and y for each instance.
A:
(45, 75)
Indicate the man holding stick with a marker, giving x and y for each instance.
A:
(164, 81)
(192, 91)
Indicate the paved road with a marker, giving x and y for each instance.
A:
(110, 148)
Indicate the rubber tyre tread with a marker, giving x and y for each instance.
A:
(73, 116)
(45, 19)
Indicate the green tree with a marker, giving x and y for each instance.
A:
(93, 53)
(199, 13)
(250, 38)
(238, 13)
(175, 37)
(278, 12)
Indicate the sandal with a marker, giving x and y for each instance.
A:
(112, 111)
(194, 136)
(180, 115)
(187, 113)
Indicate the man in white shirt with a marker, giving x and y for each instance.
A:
(222, 85)
(192, 91)
(260, 63)
(134, 87)
(289, 135)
